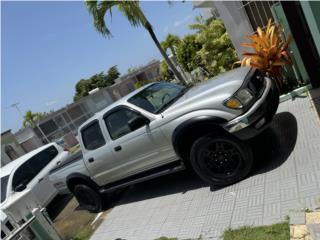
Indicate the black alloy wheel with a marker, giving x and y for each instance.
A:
(221, 160)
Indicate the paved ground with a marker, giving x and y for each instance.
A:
(286, 178)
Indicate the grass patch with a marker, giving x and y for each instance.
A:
(174, 238)
(279, 231)
(84, 234)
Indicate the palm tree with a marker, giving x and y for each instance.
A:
(31, 119)
(132, 11)
(171, 42)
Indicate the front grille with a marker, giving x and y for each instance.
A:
(256, 84)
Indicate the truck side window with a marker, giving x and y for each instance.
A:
(27, 171)
(117, 122)
(92, 136)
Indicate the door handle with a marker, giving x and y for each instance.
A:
(117, 148)
(40, 179)
(90, 160)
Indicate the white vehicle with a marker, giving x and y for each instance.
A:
(30, 171)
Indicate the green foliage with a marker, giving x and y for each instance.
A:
(166, 238)
(209, 48)
(31, 119)
(112, 74)
(280, 231)
(171, 42)
(100, 80)
(85, 233)
(130, 9)
(140, 83)
(187, 53)
(165, 73)
(133, 13)
(217, 53)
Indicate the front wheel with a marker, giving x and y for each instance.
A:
(88, 198)
(221, 160)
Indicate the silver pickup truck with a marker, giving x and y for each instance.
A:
(162, 128)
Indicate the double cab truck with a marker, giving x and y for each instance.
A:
(162, 128)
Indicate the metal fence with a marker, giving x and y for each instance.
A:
(37, 227)
(258, 12)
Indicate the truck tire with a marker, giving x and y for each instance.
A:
(88, 198)
(221, 160)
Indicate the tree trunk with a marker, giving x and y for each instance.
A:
(164, 55)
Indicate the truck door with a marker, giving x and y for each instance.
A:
(136, 143)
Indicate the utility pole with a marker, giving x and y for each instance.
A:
(15, 105)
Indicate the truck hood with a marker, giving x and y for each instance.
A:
(211, 93)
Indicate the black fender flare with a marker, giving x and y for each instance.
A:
(79, 177)
(193, 122)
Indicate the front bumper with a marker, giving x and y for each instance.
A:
(258, 117)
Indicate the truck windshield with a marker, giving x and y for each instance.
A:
(4, 183)
(157, 97)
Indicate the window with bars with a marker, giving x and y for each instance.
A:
(258, 12)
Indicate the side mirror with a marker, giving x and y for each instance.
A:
(138, 122)
(20, 187)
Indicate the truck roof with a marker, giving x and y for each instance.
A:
(114, 104)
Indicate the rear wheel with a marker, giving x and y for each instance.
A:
(221, 160)
(88, 198)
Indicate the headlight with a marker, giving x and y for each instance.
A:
(245, 96)
(239, 99)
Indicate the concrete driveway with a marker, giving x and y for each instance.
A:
(286, 178)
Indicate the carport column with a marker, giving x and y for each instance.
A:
(236, 22)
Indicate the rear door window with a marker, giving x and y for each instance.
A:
(92, 136)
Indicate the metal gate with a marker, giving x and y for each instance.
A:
(258, 14)
(37, 227)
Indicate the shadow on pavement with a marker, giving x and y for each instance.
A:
(57, 205)
(273, 146)
(271, 149)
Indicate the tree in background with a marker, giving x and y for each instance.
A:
(171, 42)
(165, 73)
(187, 53)
(100, 80)
(132, 11)
(31, 119)
(217, 53)
(112, 74)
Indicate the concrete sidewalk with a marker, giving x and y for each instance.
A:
(286, 178)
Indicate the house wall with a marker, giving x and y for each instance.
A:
(28, 139)
(4, 157)
(8, 139)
